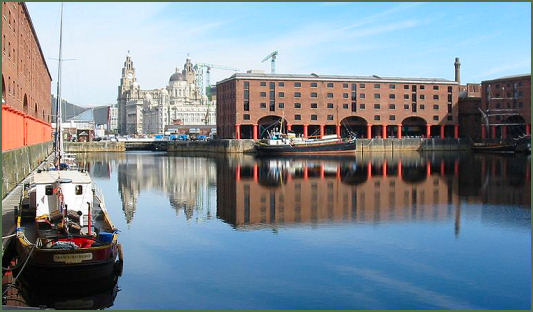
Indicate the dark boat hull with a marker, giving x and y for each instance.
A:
(489, 148)
(336, 148)
(77, 265)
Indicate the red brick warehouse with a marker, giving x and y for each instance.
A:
(250, 104)
(507, 103)
(26, 81)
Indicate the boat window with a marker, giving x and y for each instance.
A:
(49, 190)
(79, 189)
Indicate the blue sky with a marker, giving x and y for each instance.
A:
(386, 39)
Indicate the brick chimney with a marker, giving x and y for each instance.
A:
(457, 70)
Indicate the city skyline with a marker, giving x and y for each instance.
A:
(406, 40)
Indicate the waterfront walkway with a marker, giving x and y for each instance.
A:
(9, 203)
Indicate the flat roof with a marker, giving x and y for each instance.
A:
(49, 177)
(315, 77)
(509, 77)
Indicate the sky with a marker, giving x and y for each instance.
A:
(336, 38)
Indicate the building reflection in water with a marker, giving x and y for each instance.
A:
(372, 188)
(189, 182)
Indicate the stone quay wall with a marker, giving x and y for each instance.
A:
(412, 144)
(227, 146)
(84, 147)
(18, 163)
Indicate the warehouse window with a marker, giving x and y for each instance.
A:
(377, 86)
(330, 84)
(297, 94)
(313, 117)
(435, 87)
(313, 85)
(297, 105)
(392, 96)
(377, 95)
(330, 117)
(435, 96)
(263, 84)
(297, 84)
(314, 105)
(314, 94)
(246, 116)
(297, 117)
(281, 94)
(376, 117)
(436, 107)
(345, 85)
(361, 95)
(392, 117)
(435, 117)
(330, 105)
(345, 106)
(377, 106)
(330, 95)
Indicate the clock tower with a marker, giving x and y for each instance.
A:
(127, 90)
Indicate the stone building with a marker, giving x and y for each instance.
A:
(181, 102)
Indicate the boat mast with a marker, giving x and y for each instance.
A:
(59, 118)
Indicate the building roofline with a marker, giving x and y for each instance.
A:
(36, 38)
(315, 77)
(509, 77)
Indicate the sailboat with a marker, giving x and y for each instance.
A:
(64, 231)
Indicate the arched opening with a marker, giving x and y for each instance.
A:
(414, 127)
(268, 124)
(353, 174)
(354, 126)
(25, 104)
(516, 127)
(414, 174)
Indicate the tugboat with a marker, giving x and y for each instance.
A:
(63, 228)
(279, 144)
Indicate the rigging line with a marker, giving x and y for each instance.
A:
(8, 236)
(20, 272)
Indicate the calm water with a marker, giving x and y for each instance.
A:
(435, 231)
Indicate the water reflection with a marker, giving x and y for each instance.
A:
(188, 182)
(373, 188)
(339, 233)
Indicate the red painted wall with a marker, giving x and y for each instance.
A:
(19, 129)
